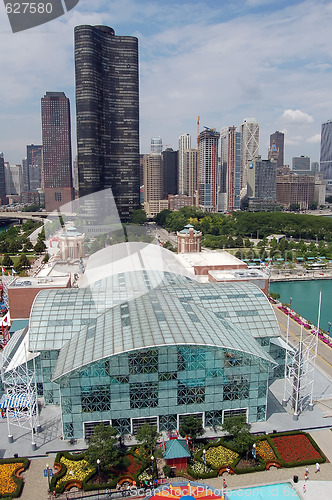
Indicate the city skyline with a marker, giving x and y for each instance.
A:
(225, 63)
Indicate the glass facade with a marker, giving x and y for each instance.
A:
(326, 151)
(179, 380)
(152, 346)
(107, 109)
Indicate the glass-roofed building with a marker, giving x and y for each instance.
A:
(145, 345)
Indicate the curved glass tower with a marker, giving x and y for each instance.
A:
(107, 106)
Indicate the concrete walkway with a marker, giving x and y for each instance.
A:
(35, 484)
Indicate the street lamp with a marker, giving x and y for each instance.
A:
(152, 460)
(48, 477)
(98, 463)
(290, 301)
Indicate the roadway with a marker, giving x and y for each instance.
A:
(324, 352)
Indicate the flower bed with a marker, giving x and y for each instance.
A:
(294, 448)
(10, 485)
(134, 467)
(76, 469)
(220, 455)
(264, 450)
(199, 468)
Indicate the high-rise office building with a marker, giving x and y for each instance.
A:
(2, 180)
(156, 145)
(249, 148)
(262, 184)
(154, 191)
(293, 189)
(32, 168)
(183, 174)
(301, 163)
(107, 106)
(326, 152)
(230, 181)
(170, 171)
(13, 179)
(278, 140)
(57, 177)
(207, 169)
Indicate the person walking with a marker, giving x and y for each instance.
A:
(317, 467)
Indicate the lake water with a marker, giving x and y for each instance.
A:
(305, 299)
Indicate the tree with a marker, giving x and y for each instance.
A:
(46, 257)
(39, 246)
(160, 218)
(28, 246)
(238, 428)
(103, 446)
(148, 437)
(7, 261)
(191, 426)
(23, 263)
(139, 216)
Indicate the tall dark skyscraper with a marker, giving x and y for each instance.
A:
(57, 159)
(170, 170)
(277, 140)
(107, 106)
(326, 152)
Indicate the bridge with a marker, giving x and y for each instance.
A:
(29, 215)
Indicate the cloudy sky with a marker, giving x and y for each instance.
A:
(224, 60)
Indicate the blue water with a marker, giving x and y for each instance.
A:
(280, 490)
(305, 299)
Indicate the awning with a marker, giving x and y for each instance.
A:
(281, 343)
(15, 401)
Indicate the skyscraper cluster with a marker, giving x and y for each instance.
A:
(213, 174)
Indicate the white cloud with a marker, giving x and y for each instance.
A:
(294, 140)
(296, 116)
(315, 139)
(199, 64)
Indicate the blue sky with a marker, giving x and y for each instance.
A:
(220, 59)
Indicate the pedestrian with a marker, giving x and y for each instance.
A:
(228, 469)
(307, 471)
(304, 489)
(224, 485)
(305, 476)
(317, 467)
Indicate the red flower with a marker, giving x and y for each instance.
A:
(295, 448)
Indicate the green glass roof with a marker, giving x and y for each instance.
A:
(57, 315)
(155, 319)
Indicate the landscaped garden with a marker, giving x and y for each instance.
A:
(106, 463)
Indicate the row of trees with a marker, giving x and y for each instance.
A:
(248, 224)
(16, 240)
(105, 447)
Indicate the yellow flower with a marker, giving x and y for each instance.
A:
(76, 469)
(219, 455)
(7, 484)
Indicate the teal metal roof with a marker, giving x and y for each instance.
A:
(176, 448)
(153, 320)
